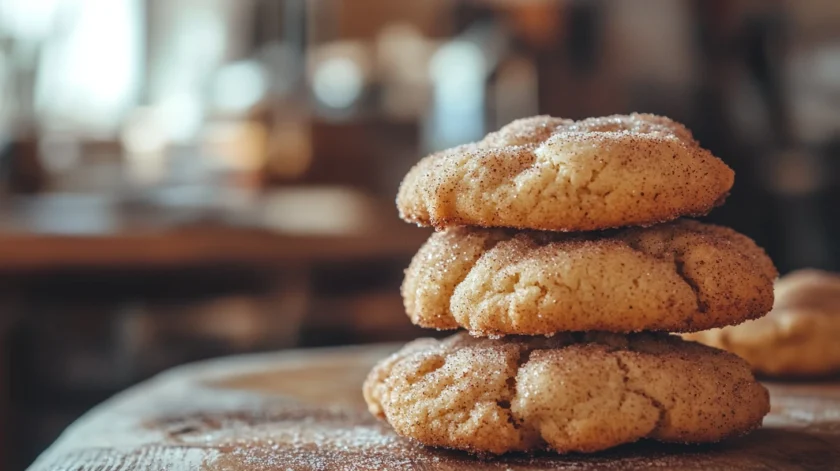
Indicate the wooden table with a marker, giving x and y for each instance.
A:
(302, 410)
(283, 234)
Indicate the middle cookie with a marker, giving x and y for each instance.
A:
(683, 276)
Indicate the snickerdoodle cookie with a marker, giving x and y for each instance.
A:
(557, 174)
(568, 393)
(682, 276)
(799, 337)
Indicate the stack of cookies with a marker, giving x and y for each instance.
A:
(559, 249)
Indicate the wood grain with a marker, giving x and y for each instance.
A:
(303, 411)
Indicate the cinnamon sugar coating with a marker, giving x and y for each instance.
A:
(800, 337)
(682, 276)
(557, 174)
(568, 393)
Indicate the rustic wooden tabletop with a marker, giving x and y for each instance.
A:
(302, 410)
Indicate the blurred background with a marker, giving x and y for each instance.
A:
(181, 179)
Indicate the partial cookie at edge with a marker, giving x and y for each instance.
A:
(678, 277)
(556, 174)
(798, 338)
(572, 392)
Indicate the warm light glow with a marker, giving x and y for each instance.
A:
(239, 86)
(337, 82)
(144, 139)
(91, 77)
(457, 70)
(27, 20)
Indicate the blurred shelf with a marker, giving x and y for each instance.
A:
(297, 226)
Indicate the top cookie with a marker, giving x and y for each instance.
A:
(562, 175)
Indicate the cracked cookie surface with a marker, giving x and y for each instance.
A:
(573, 392)
(557, 174)
(798, 338)
(682, 276)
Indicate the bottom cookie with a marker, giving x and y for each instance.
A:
(568, 393)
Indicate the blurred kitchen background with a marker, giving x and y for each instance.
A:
(182, 179)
